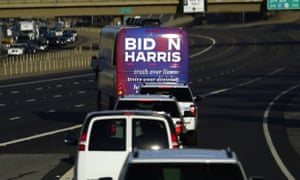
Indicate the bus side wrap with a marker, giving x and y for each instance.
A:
(150, 55)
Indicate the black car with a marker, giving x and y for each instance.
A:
(56, 41)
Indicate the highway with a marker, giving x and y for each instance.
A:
(246, 75)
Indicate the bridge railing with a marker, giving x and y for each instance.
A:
(42, 63)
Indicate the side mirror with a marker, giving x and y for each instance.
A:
(71, 139)
(197, 98)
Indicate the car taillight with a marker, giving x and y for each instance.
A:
(174, 139)
(82, 142)
(120, 89)
(193, 110)
(81, 147)
(179, 127)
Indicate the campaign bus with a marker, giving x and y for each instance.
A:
(130, 56)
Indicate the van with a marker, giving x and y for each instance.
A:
(107, 137)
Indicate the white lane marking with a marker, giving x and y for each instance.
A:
(239, 85)
(45, 80)
(39, 135)
(39, 88)
(30, 100)
(76, 82)
(68, 174)
(206, 49)
(14, 118)
(52, 110)
(276, 71)
(248, 82)
(81, 92)
(79, 105)
(1, 105)
(57, 95)
(215, 92)
(59, 85)
(268, 137)
(15, 92)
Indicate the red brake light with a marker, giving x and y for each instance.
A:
(82, 141)
(113, 129)
(83, 137)
(179, 127)
(120, 89)
(174, 138)
(193, 110)
(81, 147)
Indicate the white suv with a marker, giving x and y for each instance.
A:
(160, 103)
(187, 101)
(108, 136)
(183, 164)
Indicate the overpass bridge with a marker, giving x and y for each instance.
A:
(55, 8)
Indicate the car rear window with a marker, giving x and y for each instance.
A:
(182, 94)
(184, 171)
(169, 107)
(150, 134)
(108, 135)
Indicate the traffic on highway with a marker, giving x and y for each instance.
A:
(243, 114)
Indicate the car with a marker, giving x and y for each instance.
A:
(160, 103)
(16, 49)
(188, 103)
(41, 44)
(55, 41)
(31, 48)
(183, 164)
(108, 136)
(71, 35)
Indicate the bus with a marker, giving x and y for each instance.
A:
(132, 55)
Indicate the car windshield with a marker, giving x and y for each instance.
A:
(169, 107)
(182, 94)
(184, 171)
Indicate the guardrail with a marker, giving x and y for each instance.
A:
(42, 63)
